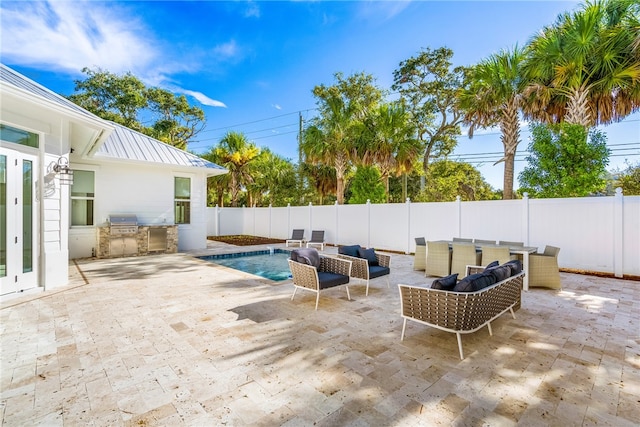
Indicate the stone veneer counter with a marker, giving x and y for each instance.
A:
(137, 244)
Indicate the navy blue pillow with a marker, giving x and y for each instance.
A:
(492, 264)
(500, 273)
(369, 255)
(475, 282)
(446, 283)
(350, 250)
(516, 266)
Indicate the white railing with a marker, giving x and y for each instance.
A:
(600, 234)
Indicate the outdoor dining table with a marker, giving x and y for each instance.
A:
(513, 250)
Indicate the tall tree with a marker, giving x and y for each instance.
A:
(177, 121)
(331, 140)
(430, 86)
(322, 178)
(565, 160)
(387, 140)
(448, 179)
(236, 154)
(494, 96)
(585, 68)
(124, 99)
(366, 185)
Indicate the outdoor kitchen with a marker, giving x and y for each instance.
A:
(124, 236)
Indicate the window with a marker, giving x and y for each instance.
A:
(182, 195)
(82, 197)
(17, 136)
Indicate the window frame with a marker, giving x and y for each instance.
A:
(187, 202)
(77, 169)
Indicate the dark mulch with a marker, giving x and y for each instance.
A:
(244, 240)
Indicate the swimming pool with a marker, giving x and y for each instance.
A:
(270, 264)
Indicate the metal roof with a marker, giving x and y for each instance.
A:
(8, 75)
(127, 144)
(123, 143)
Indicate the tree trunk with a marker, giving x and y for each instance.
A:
(578, 110)
(510, 127)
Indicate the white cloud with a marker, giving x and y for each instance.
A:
(384, 10)
(202, 98)
(252, 11)
(276, 106)
(227, 50)
(67, 36)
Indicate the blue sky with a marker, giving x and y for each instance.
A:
(251, 65)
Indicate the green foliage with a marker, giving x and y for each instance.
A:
(447, 179)
(629, 180)
(565, 161)
(331, 138)
(124, 99)
(430, 86)
(366, 185)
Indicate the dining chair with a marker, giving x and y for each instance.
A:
(420, 256)
(463, 254)
(495, 253)
(543, 269)
(460, 239)
(438, 259)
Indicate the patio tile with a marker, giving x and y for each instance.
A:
(173, 340)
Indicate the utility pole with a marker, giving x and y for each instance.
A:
(300, 177)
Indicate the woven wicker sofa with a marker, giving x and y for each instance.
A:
(460, 312)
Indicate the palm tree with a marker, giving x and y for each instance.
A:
(328, 141)
(494, 97)
(236, 153)
(585, 68)
(387, 141)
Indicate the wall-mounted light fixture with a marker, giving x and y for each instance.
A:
(62, 168)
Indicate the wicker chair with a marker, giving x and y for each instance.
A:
(495, 253)
(317, 239)
(438, 259)
(464, 254)
(420, 256)
(507, 243)
(331, 272)
(297, 237)
(461, 239)
(543, 269)
(360, 268)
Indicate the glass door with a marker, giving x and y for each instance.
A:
(18, 221)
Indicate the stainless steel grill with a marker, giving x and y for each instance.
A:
(122, 224)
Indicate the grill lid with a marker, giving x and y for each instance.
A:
(123, 219)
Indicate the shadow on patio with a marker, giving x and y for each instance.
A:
(170, 340)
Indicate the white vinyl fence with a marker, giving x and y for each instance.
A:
(598, 234)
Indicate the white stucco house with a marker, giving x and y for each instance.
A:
(45, 219)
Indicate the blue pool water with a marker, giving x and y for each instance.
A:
(272, 266)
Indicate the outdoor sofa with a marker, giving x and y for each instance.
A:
(367, 264)
(464, 306)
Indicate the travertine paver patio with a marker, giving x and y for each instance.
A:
(171, 340)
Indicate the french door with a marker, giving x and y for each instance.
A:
(18, 221)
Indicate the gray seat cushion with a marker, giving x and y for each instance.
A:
(377, 271)
(329, 280)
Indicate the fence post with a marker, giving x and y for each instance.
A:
(408, 203)
(288, 219)
(368, 223)
(216, 216)
(618, 233)
(525, 218)
(311, 216)
(336, 240)
(270, 213)
(459, 213)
